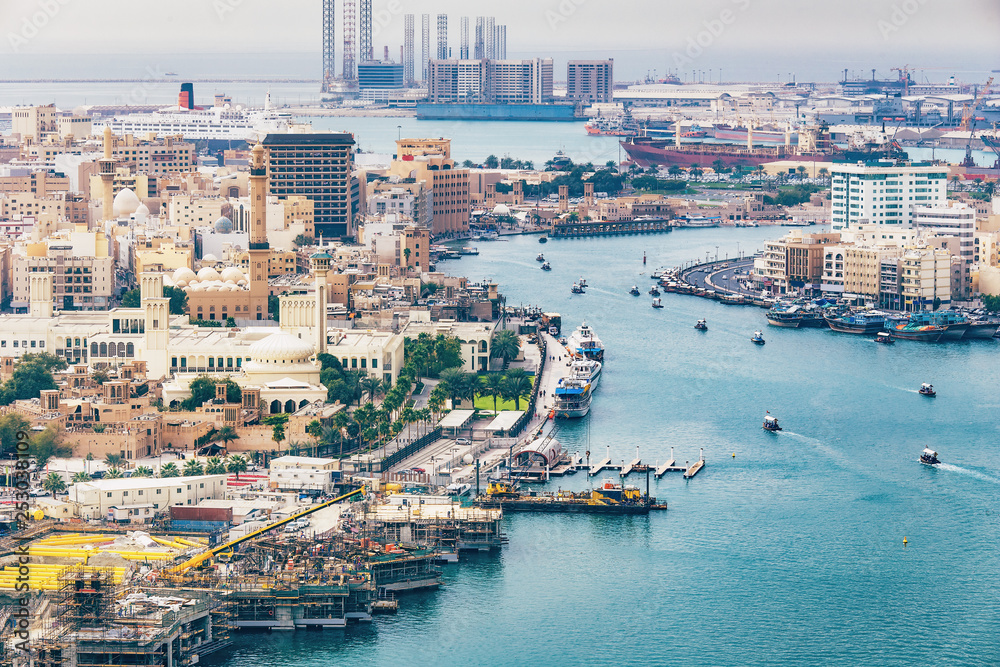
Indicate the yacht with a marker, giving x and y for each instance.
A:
(657, 302)
(927, 390)
(634, 291)
(771, 423)
(585, 343)
(572, 398)
(929, 457)
(587, 370)
(757, 338)
(701, 325)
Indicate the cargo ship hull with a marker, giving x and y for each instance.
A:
(565, 506)
(664, 153)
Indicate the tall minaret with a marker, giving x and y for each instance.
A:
(106, 167)
(320, 266)
(260, 251)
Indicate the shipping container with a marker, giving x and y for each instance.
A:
(195, 513)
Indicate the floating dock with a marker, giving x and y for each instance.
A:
(606, 464)
(696, 467)
(609, 228)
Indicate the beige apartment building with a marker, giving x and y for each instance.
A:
(78, 282)
(429, 160)
(925, 275)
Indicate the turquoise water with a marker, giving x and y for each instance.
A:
(791, 553)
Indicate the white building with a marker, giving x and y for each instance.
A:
(958, 220)
(94, 499)
(863, 193)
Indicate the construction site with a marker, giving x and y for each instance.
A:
(113, 597)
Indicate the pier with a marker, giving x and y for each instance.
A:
(696, 467)
(609, 228)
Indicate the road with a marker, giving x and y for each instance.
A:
(713, 276)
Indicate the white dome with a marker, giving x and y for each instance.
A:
(212, 288)
(501, 209)
(210, 258)
(126, 203)
(180, 283)
(281, 348)
(231, 274)
(207, 273)
(185, 274)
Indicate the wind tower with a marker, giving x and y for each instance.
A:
(106, 168)
(260, 251)
(329, 45)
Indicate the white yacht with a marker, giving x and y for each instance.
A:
(587, 370)
(585, 343)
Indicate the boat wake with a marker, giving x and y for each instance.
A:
(912, 391)
(830, 452)
(966, 471)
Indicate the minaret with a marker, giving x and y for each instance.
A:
(156, 310)
(260, 251)
(106, 167)
(320, 266)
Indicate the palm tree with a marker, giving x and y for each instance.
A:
(226, 435)
(193, 468)
(113, 460)
(505, 345)
(81, 477)
(459, 384)
(215, 466)
(170, 470)
(278, 434)
(372, 386)
(406, 256)
(236, 465)
(493, 385)
(824, 172)
(54, 483)
(517, 384)
(113, 473)
(142, 471)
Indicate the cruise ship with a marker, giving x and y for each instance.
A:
(585, 343)
(572, 398)
(215, 124)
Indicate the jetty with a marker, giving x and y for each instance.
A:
(696, 466)
(604, 464)
(609, 228)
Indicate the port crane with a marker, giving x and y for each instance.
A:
(969, 109)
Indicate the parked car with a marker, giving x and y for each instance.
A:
(419, 471)
(462, 441)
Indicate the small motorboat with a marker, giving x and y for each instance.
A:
(927, 390)
(657, 303)
(634, 291)
(929, 457)
(540, 258)
(771, 423)
(583, 282)
(562, 340)
(543, 239)
(884, 337)
(653, 291)
(546, 267)
(701, 325)
(576, 289)
(757, 338)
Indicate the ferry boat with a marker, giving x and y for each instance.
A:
(583, 281)
(469, 250)
(858, 323)
(543, 239)
(540, 258)
(757, 338)
(634, 291)
(587, 370)
(929, 457)
(771, 423)
(653, 291)
(701, 325)
(572, 398)
(884, 337)
(585, 343)
(657, 303)
(576, 289)
(926, 389)
(928, 333)
(546, 267)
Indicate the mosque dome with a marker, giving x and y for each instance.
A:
(141, 213)
(126, 203)
(209, 259)
(501, 209)
(223, 225)
(184, 274)
(281, 348)
(207, 274)
(231, 274)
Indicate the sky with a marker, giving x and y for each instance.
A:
(741, 37)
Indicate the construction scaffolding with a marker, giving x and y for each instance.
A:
(329, 44)
(408, 53)
(349, 46)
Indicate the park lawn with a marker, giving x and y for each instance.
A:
(486, 403)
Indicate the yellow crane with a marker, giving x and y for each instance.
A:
(969, 109)
(228, 546)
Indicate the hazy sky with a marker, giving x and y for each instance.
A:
(950, 34)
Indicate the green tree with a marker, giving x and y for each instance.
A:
(100, 377)
(178, 299)
(991, 302)
(406, 256)
(54, 483)
(491, 162)
(437, 398)
(193, 468)
(31, 375)
(314, 428)
(278, 434)
(236, 465)
(10, 425)
(505, 345)
(203, 390)
(303, 240)
(459, 385)
(113, 460)
(230, 322)
(113, 473)
(81, 477)
(517, 385)
(492, 385)
(215, 466)
(273, 306)
(48, 444)
(675, 170)
(170, 470)
(372, 386)
(131, 299)
(226, 435)
(142, 471)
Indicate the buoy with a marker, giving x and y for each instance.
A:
(734, 455)
(904, 541)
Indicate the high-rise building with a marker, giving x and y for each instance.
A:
(442, 36)
(425, 44)
(501, 46)
(463, 48)
(316, 166)
(490, 35)
(479, 52)
(349, 44)
(365, 50)
(519, 81)
(408, 49)
(329, 45)
(429, 161)
(871, 193)
(451, 81)
(590, 80)
(375, 74)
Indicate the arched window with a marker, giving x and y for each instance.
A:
(303, 403)
(104, 349)
(289, 405)
(93, 349)
(121, 349)
(130, 350)
(275, 407)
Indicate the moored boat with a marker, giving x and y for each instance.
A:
(868, 323)
(981, 330)
(955, 324)
(587, 370)
(927, 333)
(572, 398)
(790, 317)
(929, 457)
(585, 343)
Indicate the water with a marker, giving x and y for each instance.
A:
(791, 553)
